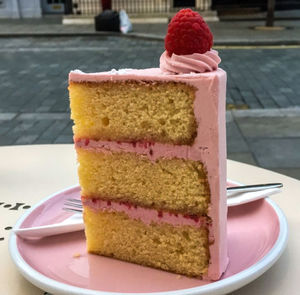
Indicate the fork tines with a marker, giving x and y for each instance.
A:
(75, 200)
(72, 210)
(73, 205)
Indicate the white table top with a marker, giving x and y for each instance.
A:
(30, 173)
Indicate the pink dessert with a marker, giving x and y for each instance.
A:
(157, 182)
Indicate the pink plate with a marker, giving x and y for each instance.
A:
(257, 234)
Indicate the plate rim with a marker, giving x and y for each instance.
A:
(220, 287)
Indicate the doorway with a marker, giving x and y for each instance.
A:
(184, 3)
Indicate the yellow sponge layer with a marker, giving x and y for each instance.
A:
(175, 185)
(182, 249)
(133, 111)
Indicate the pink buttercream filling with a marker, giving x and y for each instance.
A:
(146, 215)
(153, 150)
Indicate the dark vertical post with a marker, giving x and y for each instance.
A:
(68, 6)
(106, 4)
(270, 13)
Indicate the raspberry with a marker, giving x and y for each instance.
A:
(188, 33)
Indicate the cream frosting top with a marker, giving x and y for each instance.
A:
(191, 63)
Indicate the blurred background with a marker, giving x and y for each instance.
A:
(258, 41)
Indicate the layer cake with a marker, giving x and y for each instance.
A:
(151, 148)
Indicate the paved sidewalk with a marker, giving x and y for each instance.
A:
(266, 138)
(225, 32)
(257, 78)
(34, 100)
(237, 32)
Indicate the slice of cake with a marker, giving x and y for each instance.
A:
(151, 148)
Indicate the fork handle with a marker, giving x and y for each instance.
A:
(49, 230)
(253, 187)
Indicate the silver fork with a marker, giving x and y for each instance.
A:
(236, 195)
(75, 222)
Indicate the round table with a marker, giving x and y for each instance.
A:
(30, 173)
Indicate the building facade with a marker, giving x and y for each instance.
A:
(36, 8)
(20, 9)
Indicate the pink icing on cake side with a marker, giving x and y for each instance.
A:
(209, 146)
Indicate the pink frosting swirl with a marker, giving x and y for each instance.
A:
(196, 63)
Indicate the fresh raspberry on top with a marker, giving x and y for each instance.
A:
(188, 33)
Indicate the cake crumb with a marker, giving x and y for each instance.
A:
(178, 277)
(76, 255)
